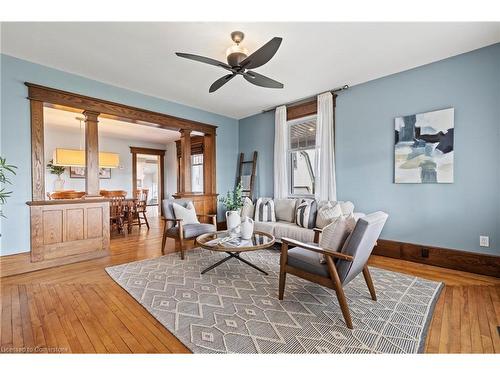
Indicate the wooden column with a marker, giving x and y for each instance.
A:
(209, 181)
(37, 151)
(91, 154)
(185, 161)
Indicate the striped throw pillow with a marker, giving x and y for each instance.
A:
(264, 210)
(305, 215)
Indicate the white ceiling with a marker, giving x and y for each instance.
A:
(313, 57)
(55, 119)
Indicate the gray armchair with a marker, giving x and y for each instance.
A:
(341, 266)
(174, 228)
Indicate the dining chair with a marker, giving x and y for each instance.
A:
(116, 212)
(141, 196)
(341, 267)
(180, 232)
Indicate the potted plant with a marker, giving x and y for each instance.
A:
(233, 201)
(57, 170)
(5, 169)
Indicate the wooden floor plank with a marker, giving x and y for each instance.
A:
(465, 339)
(475, 334)
(80, 306)
(484, 327)
(6, 334)
(17, 328)
(455, 320)
(436, 324)
(27, 328)
(36, 324)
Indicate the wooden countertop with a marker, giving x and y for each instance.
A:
(67, 201)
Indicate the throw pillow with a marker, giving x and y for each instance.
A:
(187, 214)
(306, 213)
(264, 210)
(248, 208)
(285, 209)
(346, 207)
(327, 213)
(335, 234)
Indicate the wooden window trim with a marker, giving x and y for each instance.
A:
(305, 109)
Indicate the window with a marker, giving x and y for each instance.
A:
(302, 156)
(197, 173)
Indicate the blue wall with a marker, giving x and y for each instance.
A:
(446, 215)
(15, 134)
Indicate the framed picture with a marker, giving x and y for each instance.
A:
(423, 148)
(79, 172)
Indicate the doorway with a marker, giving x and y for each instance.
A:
(148, 177)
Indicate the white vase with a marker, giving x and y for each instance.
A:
(246, 228)
(59, 184)
(233, 220)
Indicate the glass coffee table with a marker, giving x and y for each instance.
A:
(221, 241)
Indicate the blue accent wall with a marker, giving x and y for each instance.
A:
(16, 137)
(445, 215)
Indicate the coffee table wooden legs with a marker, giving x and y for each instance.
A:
(233, 255)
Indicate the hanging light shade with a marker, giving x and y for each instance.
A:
(109, 160)
(76, 158)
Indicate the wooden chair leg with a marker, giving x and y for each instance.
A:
(164, 239)
(283, 261)
(181, 243)
(339, 291)
(369, 282)
(145, 219)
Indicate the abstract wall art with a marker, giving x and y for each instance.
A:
(423, 152)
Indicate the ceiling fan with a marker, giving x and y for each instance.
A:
(239, 63)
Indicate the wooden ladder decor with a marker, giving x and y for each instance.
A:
(247, 185)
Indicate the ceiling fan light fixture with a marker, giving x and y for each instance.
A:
(236, 49)
(236, 54)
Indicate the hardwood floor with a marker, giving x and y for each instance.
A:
(77, 308)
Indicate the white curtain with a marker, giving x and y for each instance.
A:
(326, 188)
(280, 154)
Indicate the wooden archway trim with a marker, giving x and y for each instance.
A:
(41, 95)
(155, 119)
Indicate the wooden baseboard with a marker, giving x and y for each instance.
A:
(21, 263)
(483, 264)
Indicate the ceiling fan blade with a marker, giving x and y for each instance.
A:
(260, 80)
(220, 82)
(203, 59)
(262, 55)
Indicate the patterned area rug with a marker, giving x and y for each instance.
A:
(235, 309)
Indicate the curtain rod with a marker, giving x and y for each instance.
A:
(333, 91)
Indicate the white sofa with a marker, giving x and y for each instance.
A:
(285, 225)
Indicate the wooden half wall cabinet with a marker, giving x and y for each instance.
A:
(68, 231)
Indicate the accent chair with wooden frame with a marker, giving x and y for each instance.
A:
(302, 260)
(176, 229)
